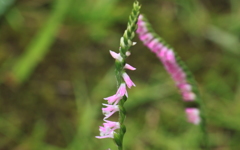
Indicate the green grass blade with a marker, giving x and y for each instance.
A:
(40, 45)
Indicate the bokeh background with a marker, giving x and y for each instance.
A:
(55, 70)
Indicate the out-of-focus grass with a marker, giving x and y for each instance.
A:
(40, 45)
(68, 70)
(4, 6)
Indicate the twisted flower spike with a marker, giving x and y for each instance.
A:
(178, 71)
(116, 101)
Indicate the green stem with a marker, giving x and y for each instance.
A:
(125, 44)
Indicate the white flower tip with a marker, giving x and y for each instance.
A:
(127, 66)
(128, 53)
(134, 43)
(140, 17)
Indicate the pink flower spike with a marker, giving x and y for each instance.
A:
(116, 56)
(127, 80)
(129, 67)
(193, 115)
(109, 110)
(107, 131)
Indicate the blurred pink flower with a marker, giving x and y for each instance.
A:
(193, 115)
(146, 38)
(188, 96)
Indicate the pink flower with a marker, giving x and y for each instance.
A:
(184, 87)
(146, 38)
(172, 68)
(193, 115)
(129, 67)
(109, 110)
(116, 56)
(141, 29)
(161, 53)
(157, 48)
(151, 45)
(107, 131)
(188, 96)
(118, 96)
(140, 17)
(170, 56)
(179, 76)
(127, 80)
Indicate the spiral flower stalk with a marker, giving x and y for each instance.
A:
(181, 75)
(116, 101)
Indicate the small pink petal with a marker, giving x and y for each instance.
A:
(122, 90)
(141, 23)
(127, 80)
(140, 17)
(128, 53)
(113, 99)
(116, 56)
(129, 67)
(193, 115)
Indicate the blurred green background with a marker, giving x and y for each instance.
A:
(55, 70)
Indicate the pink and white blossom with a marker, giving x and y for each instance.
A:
(116, 56)
(127, 80)
(107, 130)
(184, 87)
(118, 96)
(193, 115)
(109, 110)
(188, 96)
(129, 67)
